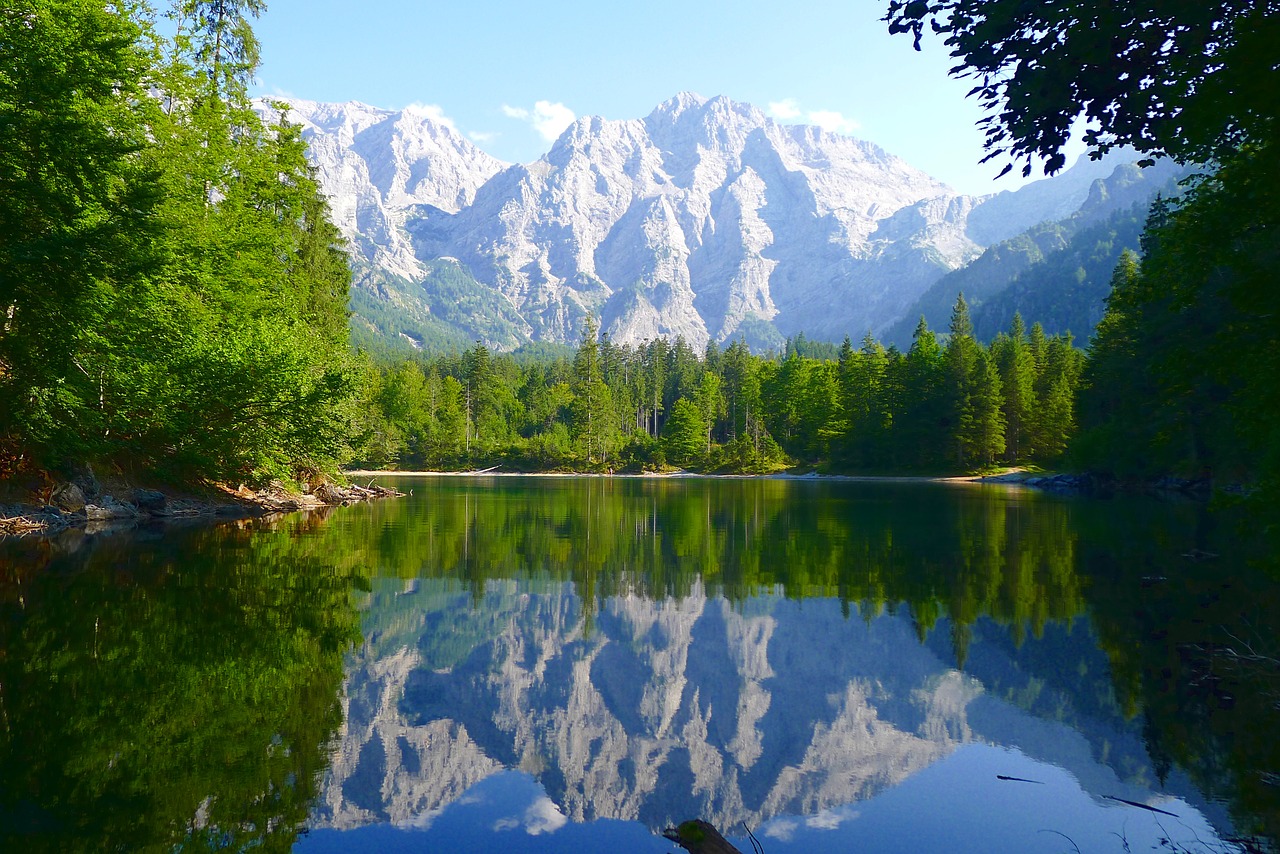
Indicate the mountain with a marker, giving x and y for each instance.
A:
(705, 219)
(1056, 272)
(376, 164)
(698, 219)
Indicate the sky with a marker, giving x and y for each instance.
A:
(511, 75)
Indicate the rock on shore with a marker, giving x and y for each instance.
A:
(85, 503)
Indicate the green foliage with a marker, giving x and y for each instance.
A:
(1013, 358)
(174, 293)
(618, 407)
(592, 406)
(1183, 374)
(1066, 291)
(77, 206)
(683, 435)
(1055, 272)
(1189, 79)
(191, 706)
(221, 41)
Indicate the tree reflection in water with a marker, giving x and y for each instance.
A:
(182, 690)
(169, 692)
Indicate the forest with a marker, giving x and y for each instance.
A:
(957, 405)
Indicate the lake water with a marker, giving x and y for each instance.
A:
(574, 664)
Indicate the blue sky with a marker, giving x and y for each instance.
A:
(511, 74)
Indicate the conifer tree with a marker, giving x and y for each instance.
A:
(682, 435)
(926, 417)
(222, 41)
(1017, 378)
(655, 368)
(477, 375)
(961, 361)
(592, 405)
(986, 436)
(709, 403)
(737, 366)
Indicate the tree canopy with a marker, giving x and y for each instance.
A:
(173, 294)
(1191, 79)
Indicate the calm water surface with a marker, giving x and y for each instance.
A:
(573, 664)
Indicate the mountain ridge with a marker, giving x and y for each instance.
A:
(705, 219)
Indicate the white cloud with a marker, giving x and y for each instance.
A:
(784, 110)
(421, 821)
(543, 816)
(434, 112)
(831, 819)
(781, 829)
(482, 136)
(788, 111)
(547, 118)
(832, 122)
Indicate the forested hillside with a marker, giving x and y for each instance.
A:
(1067, 290)
(1058, 272)
(173, 296)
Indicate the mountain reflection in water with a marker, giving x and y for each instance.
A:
(756, 653)
(571, 664)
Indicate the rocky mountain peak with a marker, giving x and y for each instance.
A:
(678, 104)
(705, 219)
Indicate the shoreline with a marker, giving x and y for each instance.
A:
(678, 475)
(97, 509)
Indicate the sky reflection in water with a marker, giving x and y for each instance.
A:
(819, 724)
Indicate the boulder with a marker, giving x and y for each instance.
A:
(69, 498)
(108, 508)
(148, 501)
(88, 483)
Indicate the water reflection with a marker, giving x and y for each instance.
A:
(167, 691)
(740, 651)
(571, 664)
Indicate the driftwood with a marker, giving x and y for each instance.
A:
(699, 837)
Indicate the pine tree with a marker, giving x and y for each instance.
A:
(222, 41)
(961, 361)
(709, 402)
(986, 439)
(1017, 378)
(655, 369)
(925, 425)
(683, 433)
(477, 375)
(592, 406)
(737, 367)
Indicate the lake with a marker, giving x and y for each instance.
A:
(573, 664)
